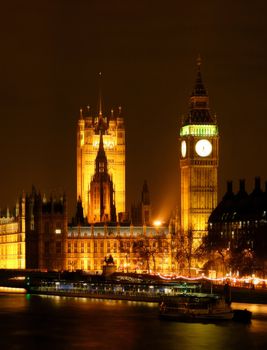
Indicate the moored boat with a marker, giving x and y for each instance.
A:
(243, 316)
(196, 307)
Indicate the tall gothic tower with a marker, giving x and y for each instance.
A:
(88, 140)
(199, 142)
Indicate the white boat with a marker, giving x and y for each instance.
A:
(196, 307)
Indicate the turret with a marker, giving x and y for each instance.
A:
(23, 213)
(80, 129)
(145, 194)
(145, 205)
(79, 212)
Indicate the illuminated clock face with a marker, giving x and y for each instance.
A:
(203, 148)
(183, 148)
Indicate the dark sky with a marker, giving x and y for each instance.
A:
(52, 51)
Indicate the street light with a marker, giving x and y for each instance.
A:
(157, 223)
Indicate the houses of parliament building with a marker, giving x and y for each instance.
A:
(38, 235)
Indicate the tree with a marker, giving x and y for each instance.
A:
(242, 261)
(150, 248)
(124, 246)
(224, 255)
(186, 250)
(216, 252)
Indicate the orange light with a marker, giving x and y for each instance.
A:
(157, 223)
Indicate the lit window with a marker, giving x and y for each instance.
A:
(69, 247)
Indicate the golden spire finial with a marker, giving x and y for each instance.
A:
(81, 113)
(199, 61)
(100, 94)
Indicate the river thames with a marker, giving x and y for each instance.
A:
(46, 322)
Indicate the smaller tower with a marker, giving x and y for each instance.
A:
(141, 212)
(145, 205)
(22, 213)
(102, 207)
(79, 219)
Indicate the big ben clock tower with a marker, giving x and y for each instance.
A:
(199, 142)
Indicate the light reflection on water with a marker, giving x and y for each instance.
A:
(256, 309)
(46, 322)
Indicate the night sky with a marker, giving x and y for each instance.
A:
(52, 51)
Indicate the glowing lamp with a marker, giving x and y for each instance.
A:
(157, 223)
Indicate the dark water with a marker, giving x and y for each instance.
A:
(39, 322)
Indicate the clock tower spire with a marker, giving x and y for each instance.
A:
(198, 162)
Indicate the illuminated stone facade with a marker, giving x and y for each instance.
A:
(12, 238)
(88, 139)
(53, 245)
(132, 248)
(199, 142)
